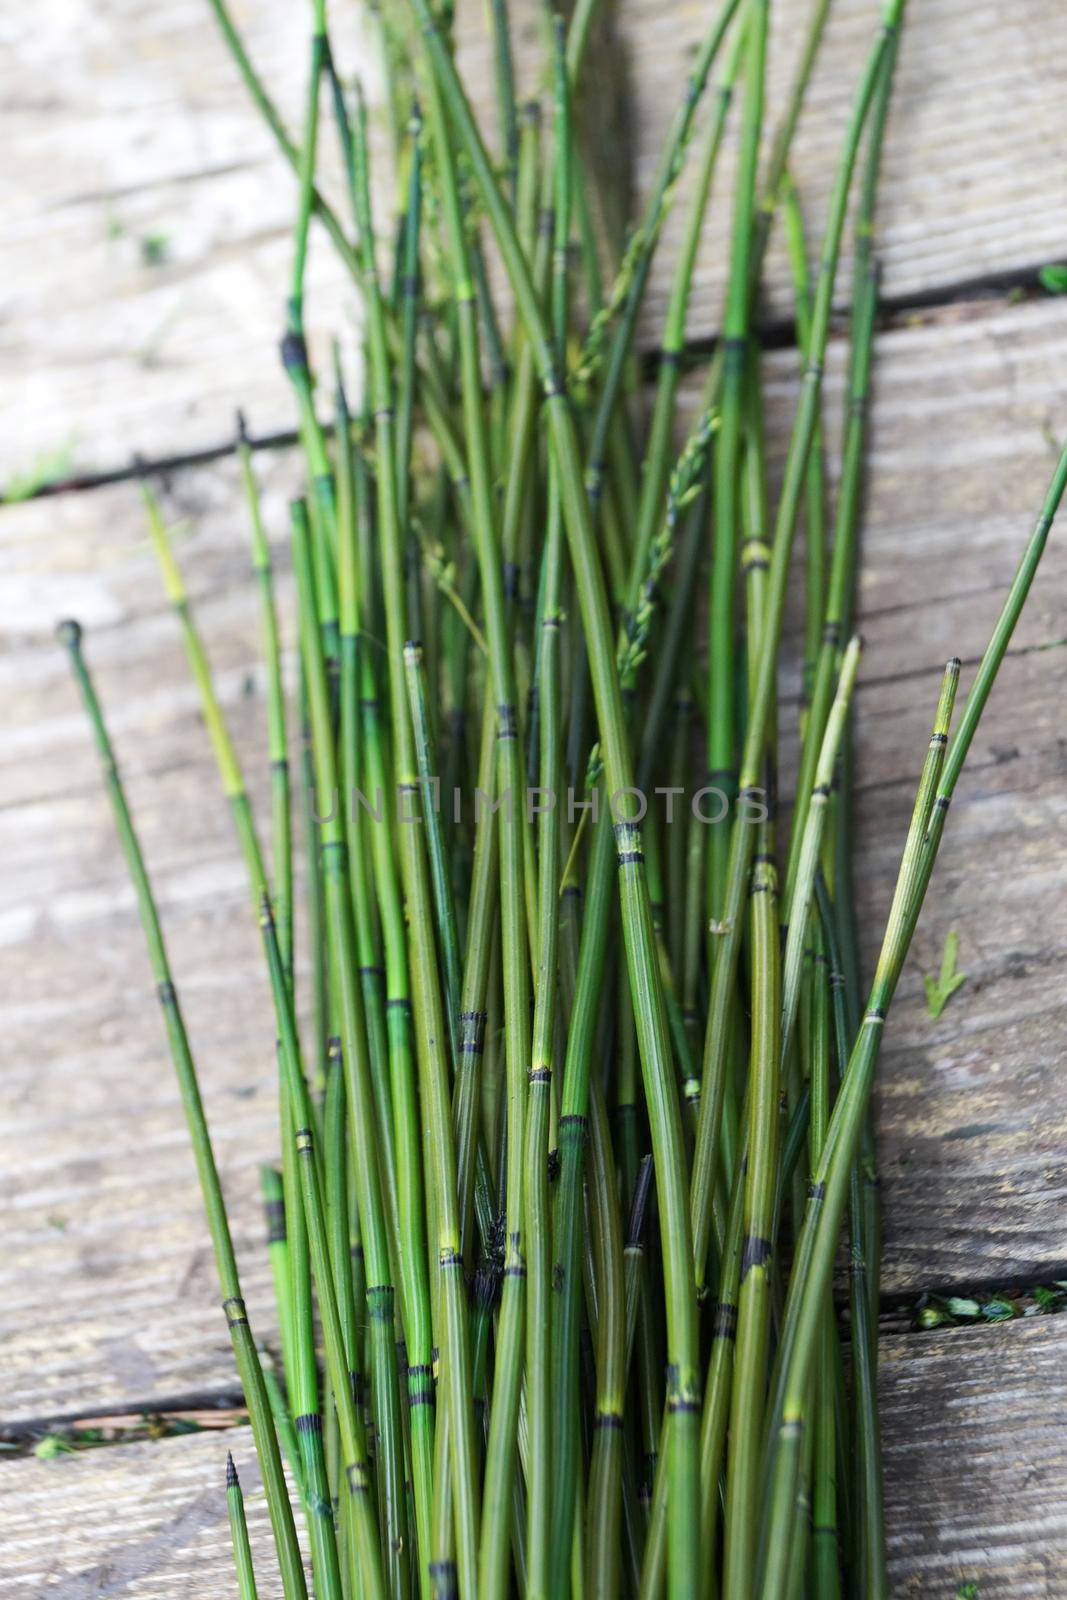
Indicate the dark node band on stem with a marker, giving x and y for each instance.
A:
(755, 1252)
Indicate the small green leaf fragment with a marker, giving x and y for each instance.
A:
(998, 1311)
(1053, 278)
(50, 1446)
(940, 990)
(51, 467)
(154, 248)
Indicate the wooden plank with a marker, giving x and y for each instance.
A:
(975, 1467)
(145, 133)
(133, 1520)
(136, 139)
(106, 1285)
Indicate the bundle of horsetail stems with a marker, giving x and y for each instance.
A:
(576, 1062)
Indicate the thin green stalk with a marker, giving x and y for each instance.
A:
(295, 355)
(430, 778)
(364, 1550)
(505, 95)
(754, 1300)
(365, 1546)
(572, 1130)
(347, 1003)
(831, 1176)
(839, 594)
(633, 273)
(244, 1349)
(825, 1565)
(672, 342)
(603, 1497)
(535, 1160)
(481, 910)
(277, 743)
(799, 913)
(815, 486)
(722, 742)
(409, 319)
(431, 1055)
(510, 784)
(278, 1253)
(729, 924)
(242, 1550)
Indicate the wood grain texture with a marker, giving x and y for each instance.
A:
(975, 1465)
(131, 125)
(106, 1283)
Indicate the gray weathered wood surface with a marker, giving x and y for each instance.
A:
(974, 1458)
(130, 123)
(106, 1289)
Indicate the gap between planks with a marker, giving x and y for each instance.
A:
(969, 296)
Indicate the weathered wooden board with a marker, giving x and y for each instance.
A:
(975, 1465)
(148, 214)
(133, 1520)
(131, 126)
(106, 1282)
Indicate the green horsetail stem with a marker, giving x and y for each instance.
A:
(811, 844)
(813, 1260)
(364, 1546)
(237, 1322)
(629, 290)
(838, 604)
(363, 759)
(292, 1267)
(242, 1550)
(823, 1532)
(721, 690)
(503, 1417)
(442, 1207)
(278, 1251)
(347, 1008)
(603, 1494)
(283, 1421)
(536, 1202)
(815, 487)
(865, 1526)
(730, 922)
(429, 777)
(481, 911)
(672, 341)
(277, 739)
